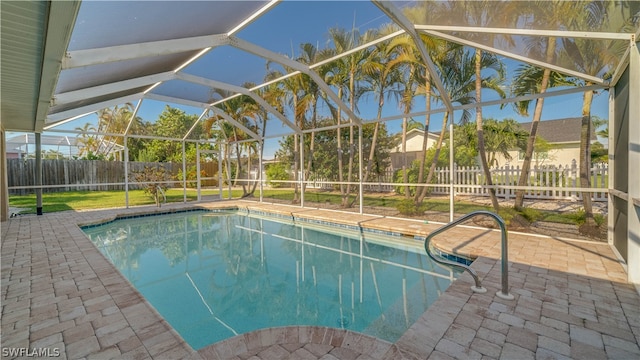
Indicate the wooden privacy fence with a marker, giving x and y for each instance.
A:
(546, 181)
(86, 174)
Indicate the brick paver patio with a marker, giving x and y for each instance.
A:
(572, 300)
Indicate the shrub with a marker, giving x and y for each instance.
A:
(192, 176)
(277, 171)
(580, 217)
(153, 179)
(409, 207)
(531, 214)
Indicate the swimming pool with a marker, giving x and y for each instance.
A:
(213, 275)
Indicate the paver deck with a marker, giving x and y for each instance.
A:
(571, 300)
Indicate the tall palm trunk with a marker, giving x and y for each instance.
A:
(296, 155)
(374, 139)
(434, 162)
(405, 173)
(239, 169)
(585, 155)
(312, 144)
(480, 132)
(422, 192)
(345, 197)
(261, 155)
(340, 161)
(537, 114)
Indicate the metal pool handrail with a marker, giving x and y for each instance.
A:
(504, 293)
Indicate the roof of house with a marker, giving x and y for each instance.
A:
(560, 130)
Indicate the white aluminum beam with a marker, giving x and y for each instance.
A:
(399, 18)
(88, 57)
(358, 48)
(528, 32)
(55, 117)
(493, 102)
(253, 16)
(238, 89)
(133, 116)
(283, 60)
(234, 122)
(171, 99)
(59, 23)
(622, 66)
(100, 90)
(194, 125)
(516, 57)
(320, 63)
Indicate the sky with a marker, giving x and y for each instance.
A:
(282, 31)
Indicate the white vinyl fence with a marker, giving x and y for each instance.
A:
(546, 181)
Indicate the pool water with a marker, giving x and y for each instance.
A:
(215, 275)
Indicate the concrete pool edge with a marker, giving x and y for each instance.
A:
(298, 342)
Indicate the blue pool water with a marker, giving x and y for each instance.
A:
(213, 275)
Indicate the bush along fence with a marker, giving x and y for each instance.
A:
(546, 181)
(78, 175)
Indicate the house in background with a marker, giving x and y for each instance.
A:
(413, 149)
(563, 137)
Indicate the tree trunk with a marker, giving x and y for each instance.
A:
(296, 156)
(312, 144)
(480, 132)
(422, 192)
(374, 140)
(405, 174)
(345, 199)
(537, 114)
(585, 156)
(434, 162)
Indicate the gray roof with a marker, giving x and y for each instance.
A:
(560, 130)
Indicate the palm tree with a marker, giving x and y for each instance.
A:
(500, 138)
(382, 80)
(439, 51)
(346, 75)
(408, 64)
(457, 72)
(293, 91)
(555, 13)
(311, 95)
(86, 143)
(495, 84)
(240, 108)
(599, 61)
(113, 121)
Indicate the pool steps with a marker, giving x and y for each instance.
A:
(502, 293)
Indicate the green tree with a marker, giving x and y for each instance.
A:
(277, 171)
(590, 58)
(382, 81)
(172, 123)
(345, 74)
(530, 79)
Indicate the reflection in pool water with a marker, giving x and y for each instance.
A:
(216, 275)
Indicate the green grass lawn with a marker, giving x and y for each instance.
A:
(86, 200)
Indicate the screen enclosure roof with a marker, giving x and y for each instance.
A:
(65, 59)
